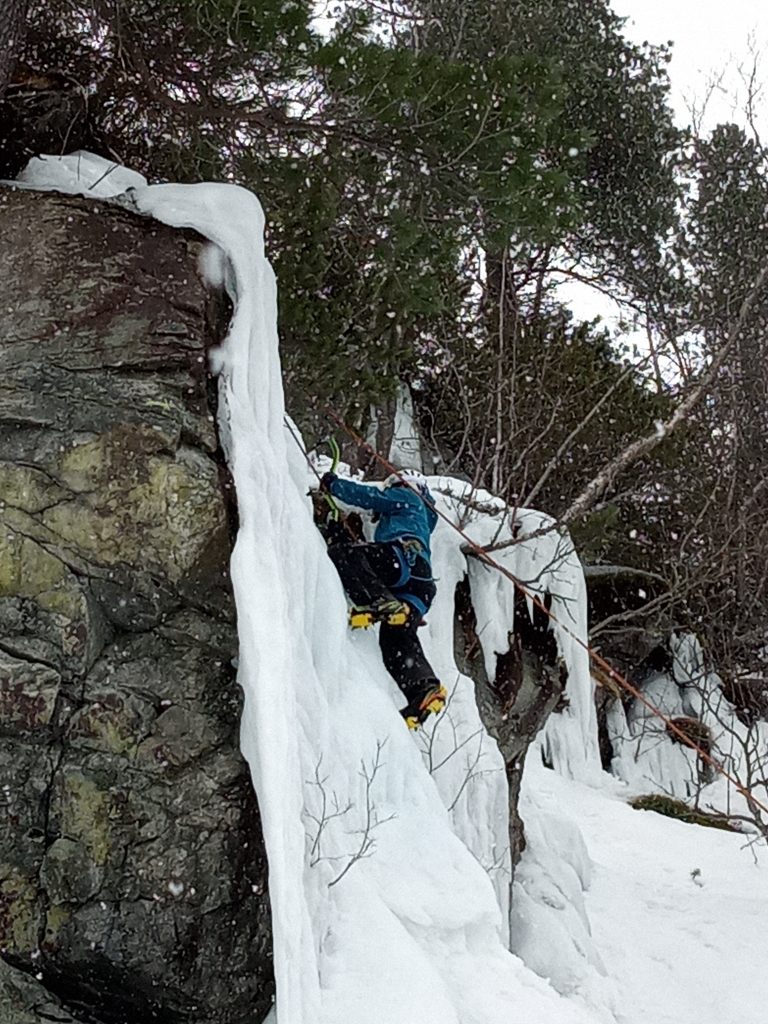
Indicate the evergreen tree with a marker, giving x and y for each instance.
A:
(384, 163)
(724, 253)
(613, 134)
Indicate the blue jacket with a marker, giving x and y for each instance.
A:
(403, 513)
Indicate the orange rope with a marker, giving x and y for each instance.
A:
(597, 658)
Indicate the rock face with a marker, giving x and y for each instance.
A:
(23, 1000)
(132, 873)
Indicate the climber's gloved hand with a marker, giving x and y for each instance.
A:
(326, 481)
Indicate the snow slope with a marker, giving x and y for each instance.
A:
(388, 851)
(678, 912)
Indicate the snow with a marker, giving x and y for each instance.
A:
(649, 760)
(388, 854)
(678, 947)
(550, 922)
(80, 173)
(405, 448)
(637, 917)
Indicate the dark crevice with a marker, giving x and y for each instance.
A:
(7, 648)
(100, 993)
(158, 368)
(38, 511)
(28, 423)
(219, 312)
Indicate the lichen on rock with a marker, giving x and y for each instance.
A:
(132, 875)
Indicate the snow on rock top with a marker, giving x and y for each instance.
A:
(80, 173)
(387, 851)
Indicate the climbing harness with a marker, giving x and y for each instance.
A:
(615, 676)
(412, 548)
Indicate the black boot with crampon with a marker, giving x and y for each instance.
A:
(428, 698)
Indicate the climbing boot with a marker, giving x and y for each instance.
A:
(428, 700)
(386, 609)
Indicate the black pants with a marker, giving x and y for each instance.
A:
(372, 571)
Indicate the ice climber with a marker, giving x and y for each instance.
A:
(390, 580)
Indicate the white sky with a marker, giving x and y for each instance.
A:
(709, 36)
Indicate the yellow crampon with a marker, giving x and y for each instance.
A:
(360, 619)
(432, 704)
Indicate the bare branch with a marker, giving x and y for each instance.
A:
(603, 480)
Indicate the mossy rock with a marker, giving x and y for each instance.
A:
(28, 693)
(66, 616)
(111, 722)
(672, 808)
(26, 568)
(28, 489)
(138, 504)
(119, 709)
(70, 875)
(84, 805)
(18, 909)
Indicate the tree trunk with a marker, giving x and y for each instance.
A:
(528, 684)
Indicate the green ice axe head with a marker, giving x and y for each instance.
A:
(335, 457)
(335, 512)
(333, 444)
